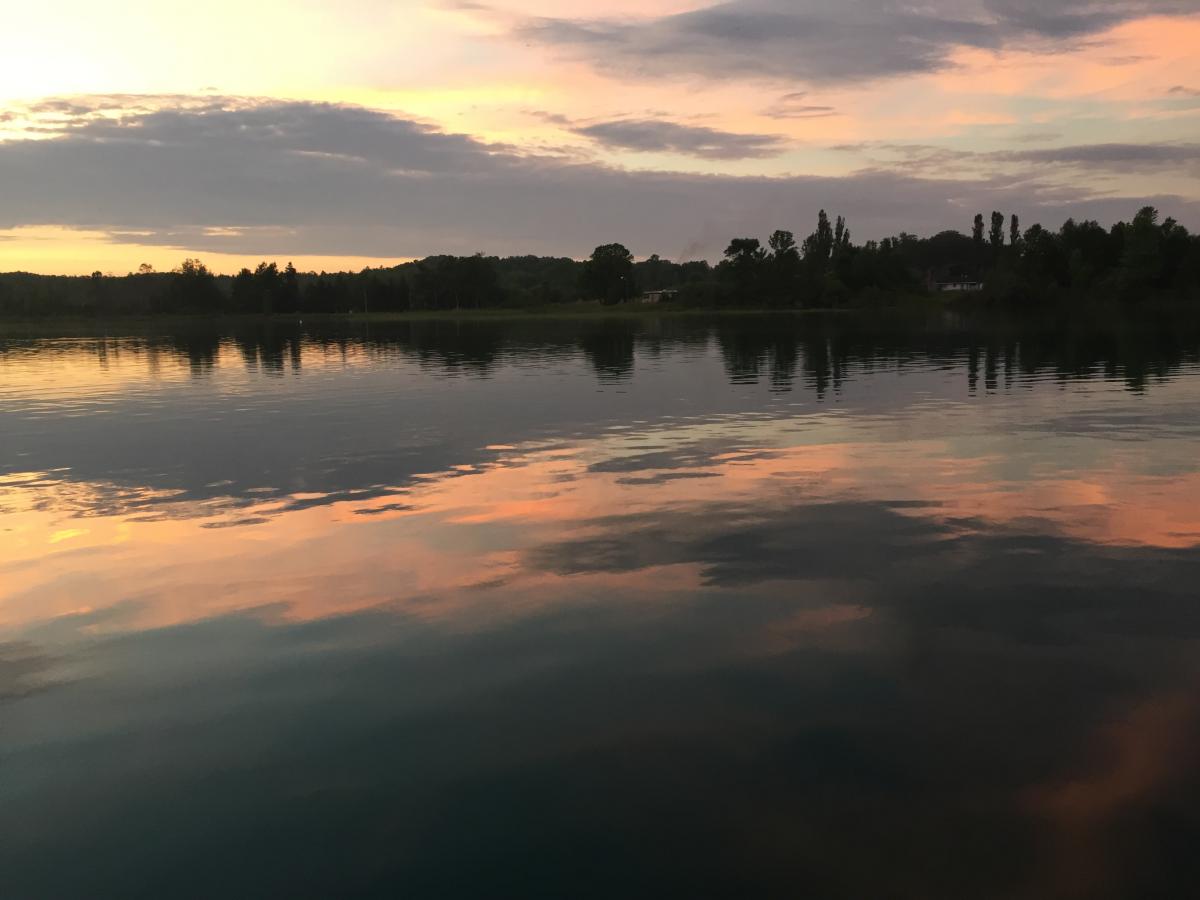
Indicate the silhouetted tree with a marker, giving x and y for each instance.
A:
(783, 246)
(818, 246)
(289, 290)
(996, 235)
(744, 251)
(1142, 259)
(655, 274)
(1089, 249)
(608, 274)
(193, 288)
(260, 291)
(743, 265)
(453, 282)
(784, 268)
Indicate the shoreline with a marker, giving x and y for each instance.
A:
(905, 307)
(580, 312)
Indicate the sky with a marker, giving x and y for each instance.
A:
(368, 132)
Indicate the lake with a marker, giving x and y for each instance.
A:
(680, 606)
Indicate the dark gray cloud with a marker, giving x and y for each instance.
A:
(1093, 157)
(1169, 155)
(268, 177)
(657, 136)
(823, 41)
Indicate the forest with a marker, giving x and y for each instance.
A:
(1149, 257)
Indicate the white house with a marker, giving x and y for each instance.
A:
(658, 296)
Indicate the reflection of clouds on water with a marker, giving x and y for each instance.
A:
(747, 544)
(389, 618)
(799, 712)
(773, 487)
(23, 667)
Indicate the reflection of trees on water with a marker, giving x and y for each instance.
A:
(267, 350)
(610, 347)
(827, 351)
(823, 351)
(453, 345)
(753, 353)
(201, 349)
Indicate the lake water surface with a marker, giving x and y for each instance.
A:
(738, 607)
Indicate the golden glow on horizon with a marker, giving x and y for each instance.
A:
(462, 70)
(50, 250)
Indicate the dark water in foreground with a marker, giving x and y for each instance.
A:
(601, 609)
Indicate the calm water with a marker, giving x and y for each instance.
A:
(691, 608)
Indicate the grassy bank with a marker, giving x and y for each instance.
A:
(57, 325)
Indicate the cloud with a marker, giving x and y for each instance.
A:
(796, 106)
(1035, 137)
(1112, 157)
(657, 136)
(1121, 155)
(820, 42)
(1181, 97)
(278, 177)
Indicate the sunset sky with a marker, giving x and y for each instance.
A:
(365, 132)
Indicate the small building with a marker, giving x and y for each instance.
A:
(658, 296)
(960, 286)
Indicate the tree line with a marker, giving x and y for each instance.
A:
(1131, 261)
(1146, 257)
